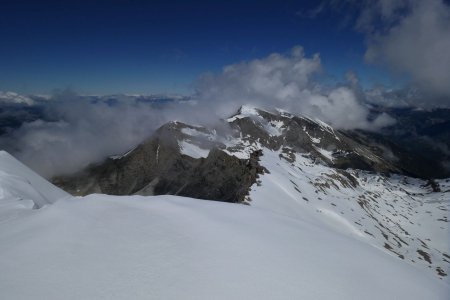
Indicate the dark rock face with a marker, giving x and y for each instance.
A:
(219, 177)
(157, 167)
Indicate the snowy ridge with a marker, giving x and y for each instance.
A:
(244, 111)
(168, 247)
(22, 187)
(276, 128)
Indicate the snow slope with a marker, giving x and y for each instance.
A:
(168, 247)
(103, 247)
(397, 215)
(20, 185)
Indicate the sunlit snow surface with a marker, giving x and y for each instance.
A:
(21, 186)
(192, 150)
(398, 215)
(167, 247)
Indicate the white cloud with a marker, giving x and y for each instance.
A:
(415, 41)
(286, 81)
(409, 37)
(88, 130)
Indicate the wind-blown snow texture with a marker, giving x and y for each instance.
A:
(303, 237)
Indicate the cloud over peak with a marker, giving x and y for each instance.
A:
(81, 129)
(287, 82)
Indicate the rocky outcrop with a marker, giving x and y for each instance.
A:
(303, 135)
(157, 167)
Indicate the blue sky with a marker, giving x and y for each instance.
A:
(162, 46)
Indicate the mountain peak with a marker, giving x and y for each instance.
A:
(244, 111)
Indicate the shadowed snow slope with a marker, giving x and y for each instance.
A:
(169, 247)
(20, 185)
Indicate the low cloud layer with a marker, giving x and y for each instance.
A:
(78, 130)
(288, 82)
(85, 130)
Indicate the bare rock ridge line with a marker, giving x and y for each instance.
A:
(223, 166)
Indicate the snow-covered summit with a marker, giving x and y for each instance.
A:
(244, 111)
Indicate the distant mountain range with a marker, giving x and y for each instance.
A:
(16, 109)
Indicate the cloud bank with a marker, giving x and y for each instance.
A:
(409, 37)
(416, 42)
(86, 129)
(288, 82)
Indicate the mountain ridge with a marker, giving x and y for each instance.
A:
(250, 128)
(295, 166)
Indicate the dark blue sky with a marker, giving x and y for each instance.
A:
(160, 46)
